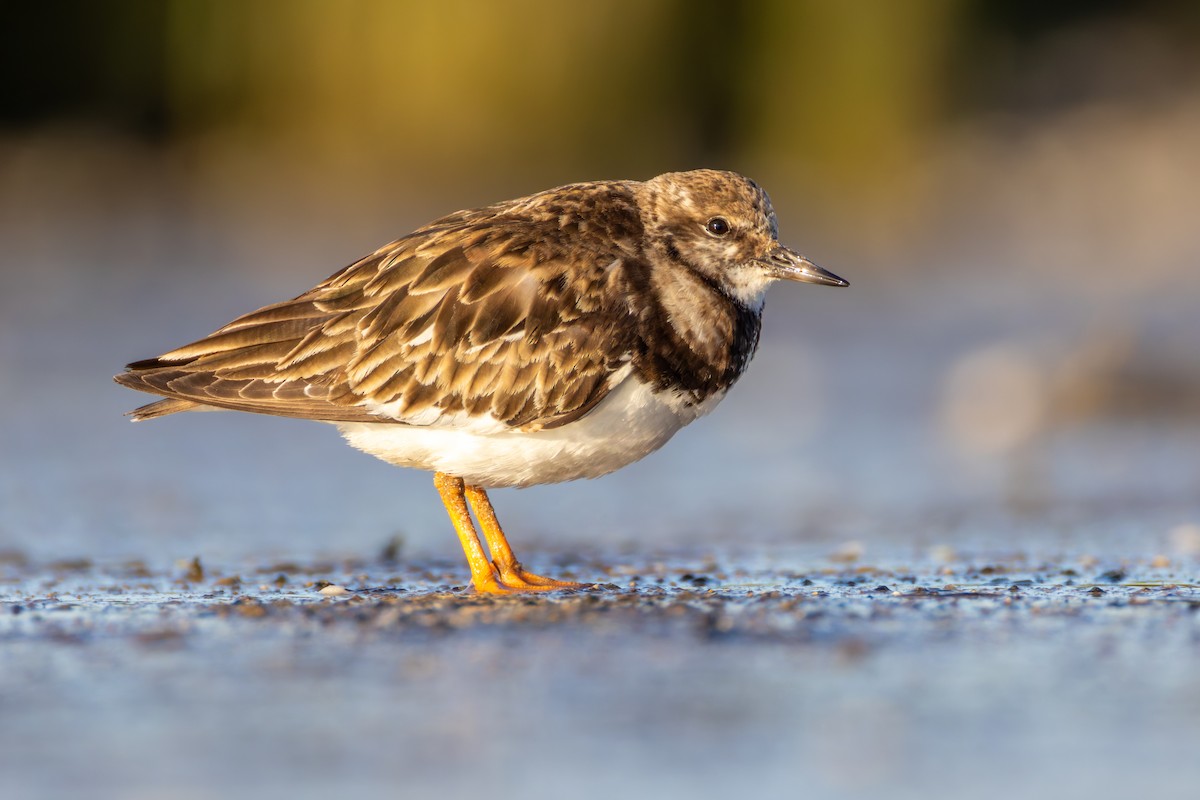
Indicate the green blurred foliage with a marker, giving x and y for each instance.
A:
(843, 90)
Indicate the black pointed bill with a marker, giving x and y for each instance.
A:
(791, 266)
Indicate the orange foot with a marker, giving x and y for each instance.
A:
(504, 579)
(502, 574)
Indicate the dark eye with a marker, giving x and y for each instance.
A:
(717, 226)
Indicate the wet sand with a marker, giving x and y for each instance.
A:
(682, 673)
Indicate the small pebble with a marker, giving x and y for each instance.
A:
(1185, 540)
(943, 553)
(847, 553)
(333, 590)
(195, 571)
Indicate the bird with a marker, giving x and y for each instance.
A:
(558, 336)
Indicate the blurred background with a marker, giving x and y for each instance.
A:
(1011, 187)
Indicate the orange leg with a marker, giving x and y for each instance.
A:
(483, 575)
(503, 559)
(504, 576)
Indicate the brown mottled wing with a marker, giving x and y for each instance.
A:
(486, 317)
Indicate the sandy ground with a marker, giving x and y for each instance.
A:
(684, 674)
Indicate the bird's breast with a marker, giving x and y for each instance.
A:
(692, 338)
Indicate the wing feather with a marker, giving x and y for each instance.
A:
(478, 312)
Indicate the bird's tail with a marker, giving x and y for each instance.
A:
(160, 408)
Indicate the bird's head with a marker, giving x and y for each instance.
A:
(722, 226)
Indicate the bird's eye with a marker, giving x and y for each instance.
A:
(718, 226)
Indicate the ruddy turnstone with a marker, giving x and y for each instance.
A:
(553, 337)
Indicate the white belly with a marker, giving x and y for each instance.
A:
(630, 423)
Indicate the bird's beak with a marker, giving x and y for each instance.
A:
(791, 266)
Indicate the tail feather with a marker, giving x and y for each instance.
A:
(161, 408)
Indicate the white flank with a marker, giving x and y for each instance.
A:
(630, 423)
